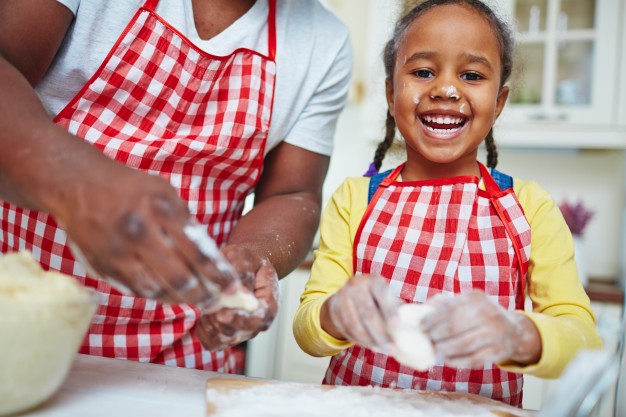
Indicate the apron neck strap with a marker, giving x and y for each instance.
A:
(490, 184)
(150, 5)
(392, 176)
(271, 23)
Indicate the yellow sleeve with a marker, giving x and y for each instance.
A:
(561, 307)
(332, 266)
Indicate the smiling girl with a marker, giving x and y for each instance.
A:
(443, 230)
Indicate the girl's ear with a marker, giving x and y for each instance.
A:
(501, 101)
(389, 94)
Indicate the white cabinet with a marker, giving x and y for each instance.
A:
(621, 107)
(569, 68)
(567, 61)
(275, 353)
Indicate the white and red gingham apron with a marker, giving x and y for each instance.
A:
(161, 105)
(440, 236)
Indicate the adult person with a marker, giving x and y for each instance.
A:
(124, 123)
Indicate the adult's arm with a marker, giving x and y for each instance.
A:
(127, 224)
(271, 240)
(287, 207)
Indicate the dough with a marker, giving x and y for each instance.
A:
(240, 299)
(43, 319)
(412, 347)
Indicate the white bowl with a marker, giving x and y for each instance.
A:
(42, 325)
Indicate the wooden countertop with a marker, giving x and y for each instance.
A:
(103, 387)
(605, 291)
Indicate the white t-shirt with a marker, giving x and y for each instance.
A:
(313, 56)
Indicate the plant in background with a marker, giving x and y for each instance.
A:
(577, 216)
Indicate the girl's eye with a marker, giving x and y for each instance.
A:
(423, 73)
(471, 76)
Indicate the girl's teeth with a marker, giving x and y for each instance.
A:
(443, 120)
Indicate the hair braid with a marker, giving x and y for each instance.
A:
(384, 145)
(492, 152)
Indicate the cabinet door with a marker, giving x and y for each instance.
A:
(566, 61)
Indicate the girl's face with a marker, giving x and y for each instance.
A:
(445, 91)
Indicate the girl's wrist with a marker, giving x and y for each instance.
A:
(326, 321)
(528, 344)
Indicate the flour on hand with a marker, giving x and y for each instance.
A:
(239, 298)
(411, 345)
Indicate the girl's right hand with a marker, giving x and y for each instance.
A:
(361, 312)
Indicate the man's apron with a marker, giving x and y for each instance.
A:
(161, 105)
(440, 236)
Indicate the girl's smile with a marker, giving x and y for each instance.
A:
(444, 124)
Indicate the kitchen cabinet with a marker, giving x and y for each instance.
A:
(621, 107)
(567, 61)
(569, 69)
(275, 353)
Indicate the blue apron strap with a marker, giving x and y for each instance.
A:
(375, 181)
(503, 180)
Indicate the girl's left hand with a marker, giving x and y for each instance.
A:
(229, 327)
(470, 329)
(360, 312)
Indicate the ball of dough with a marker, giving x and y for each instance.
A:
(412, 347)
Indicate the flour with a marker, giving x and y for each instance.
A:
(239, 298)
(43, 319)
(411, 346)
(291, 399)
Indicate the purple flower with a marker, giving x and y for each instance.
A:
(576, 216)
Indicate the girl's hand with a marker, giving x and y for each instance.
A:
(470, 330)
(361, 312)
(228, 327)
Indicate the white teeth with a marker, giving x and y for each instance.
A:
(447, 120)
(443, 131)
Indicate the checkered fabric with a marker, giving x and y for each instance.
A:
(161, 105)
(442, 236)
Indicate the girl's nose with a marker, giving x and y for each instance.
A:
(444, 91)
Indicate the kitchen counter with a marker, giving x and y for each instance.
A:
(99, 387)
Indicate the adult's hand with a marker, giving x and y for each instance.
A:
(129, 226)
(228, 327)
(470, 330)
(361, 312)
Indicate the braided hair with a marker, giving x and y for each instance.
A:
(506, 42)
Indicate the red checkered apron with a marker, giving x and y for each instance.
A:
(440, 236)
(161, 105)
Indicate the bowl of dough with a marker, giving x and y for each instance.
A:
(43, 319)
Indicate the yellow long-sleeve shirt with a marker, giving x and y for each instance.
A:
(561, 308)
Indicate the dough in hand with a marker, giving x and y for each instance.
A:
(412, 347)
